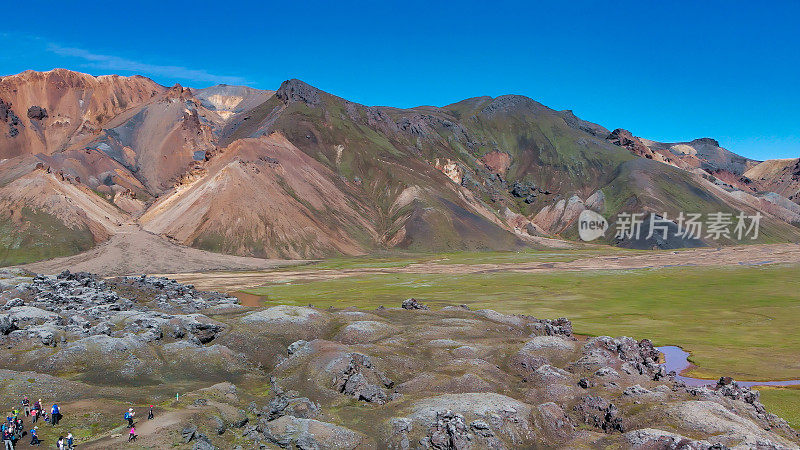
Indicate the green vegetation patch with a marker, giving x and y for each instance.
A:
(37, 235)
(737, 321)
(783, 401)
(404, 259)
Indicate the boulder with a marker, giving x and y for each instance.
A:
(550, 373)
(449, 431)
(412, 303)
(14, 302)
(37, 112)
(356, 376)
(202, 442)
(607, 372)
(297, 346)
(188, 433)
(6, 324)
(508, 419)
(622, 352)
(401, 427)
(31, 315)
(283, 405)
(288, 431)
(647, 438)
(600, 413)
(635, 391)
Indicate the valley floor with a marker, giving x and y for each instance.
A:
(591, 259)
(734, 308)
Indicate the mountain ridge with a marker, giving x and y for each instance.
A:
(481, 173)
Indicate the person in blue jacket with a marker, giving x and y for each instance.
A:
(55, 415)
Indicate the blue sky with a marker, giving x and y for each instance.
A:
(667, 71)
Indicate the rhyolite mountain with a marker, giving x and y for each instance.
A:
(300, 173)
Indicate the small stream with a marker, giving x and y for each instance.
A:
(676, 359)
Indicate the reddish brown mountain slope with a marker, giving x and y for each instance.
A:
(61, 109)
(264, 197)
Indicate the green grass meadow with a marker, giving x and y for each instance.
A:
(739, 321)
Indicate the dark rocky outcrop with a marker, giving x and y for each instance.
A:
(6, 325)
(361, 380)
(412, 303)
(600, 413)
(284, 405)
(553, 327)
(638, 356)
(524, 190)
(37, 113)
(7, 115)
(298, 91)
(172, 295)
(188, 433)
(450, 432)
(628, 141)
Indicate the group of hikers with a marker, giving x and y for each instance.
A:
(129, 414)
(13, 429)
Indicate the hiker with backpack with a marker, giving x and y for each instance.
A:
(37, 410)
(129, 417)
(19, 429)
(132, 435)
(55, 415)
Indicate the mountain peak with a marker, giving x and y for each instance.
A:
(295, 90)
(707, 140)
(509, 103)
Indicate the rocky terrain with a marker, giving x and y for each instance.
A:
(400, 376)
(298, 173)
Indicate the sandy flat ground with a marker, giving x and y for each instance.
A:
(134, 251)
(726, 256)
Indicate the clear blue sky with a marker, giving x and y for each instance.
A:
(667, 71)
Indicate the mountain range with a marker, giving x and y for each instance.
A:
(300, 173)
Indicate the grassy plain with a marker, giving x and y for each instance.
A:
(735, 320)
(389, 260)
(783, 401)
(739, 321)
